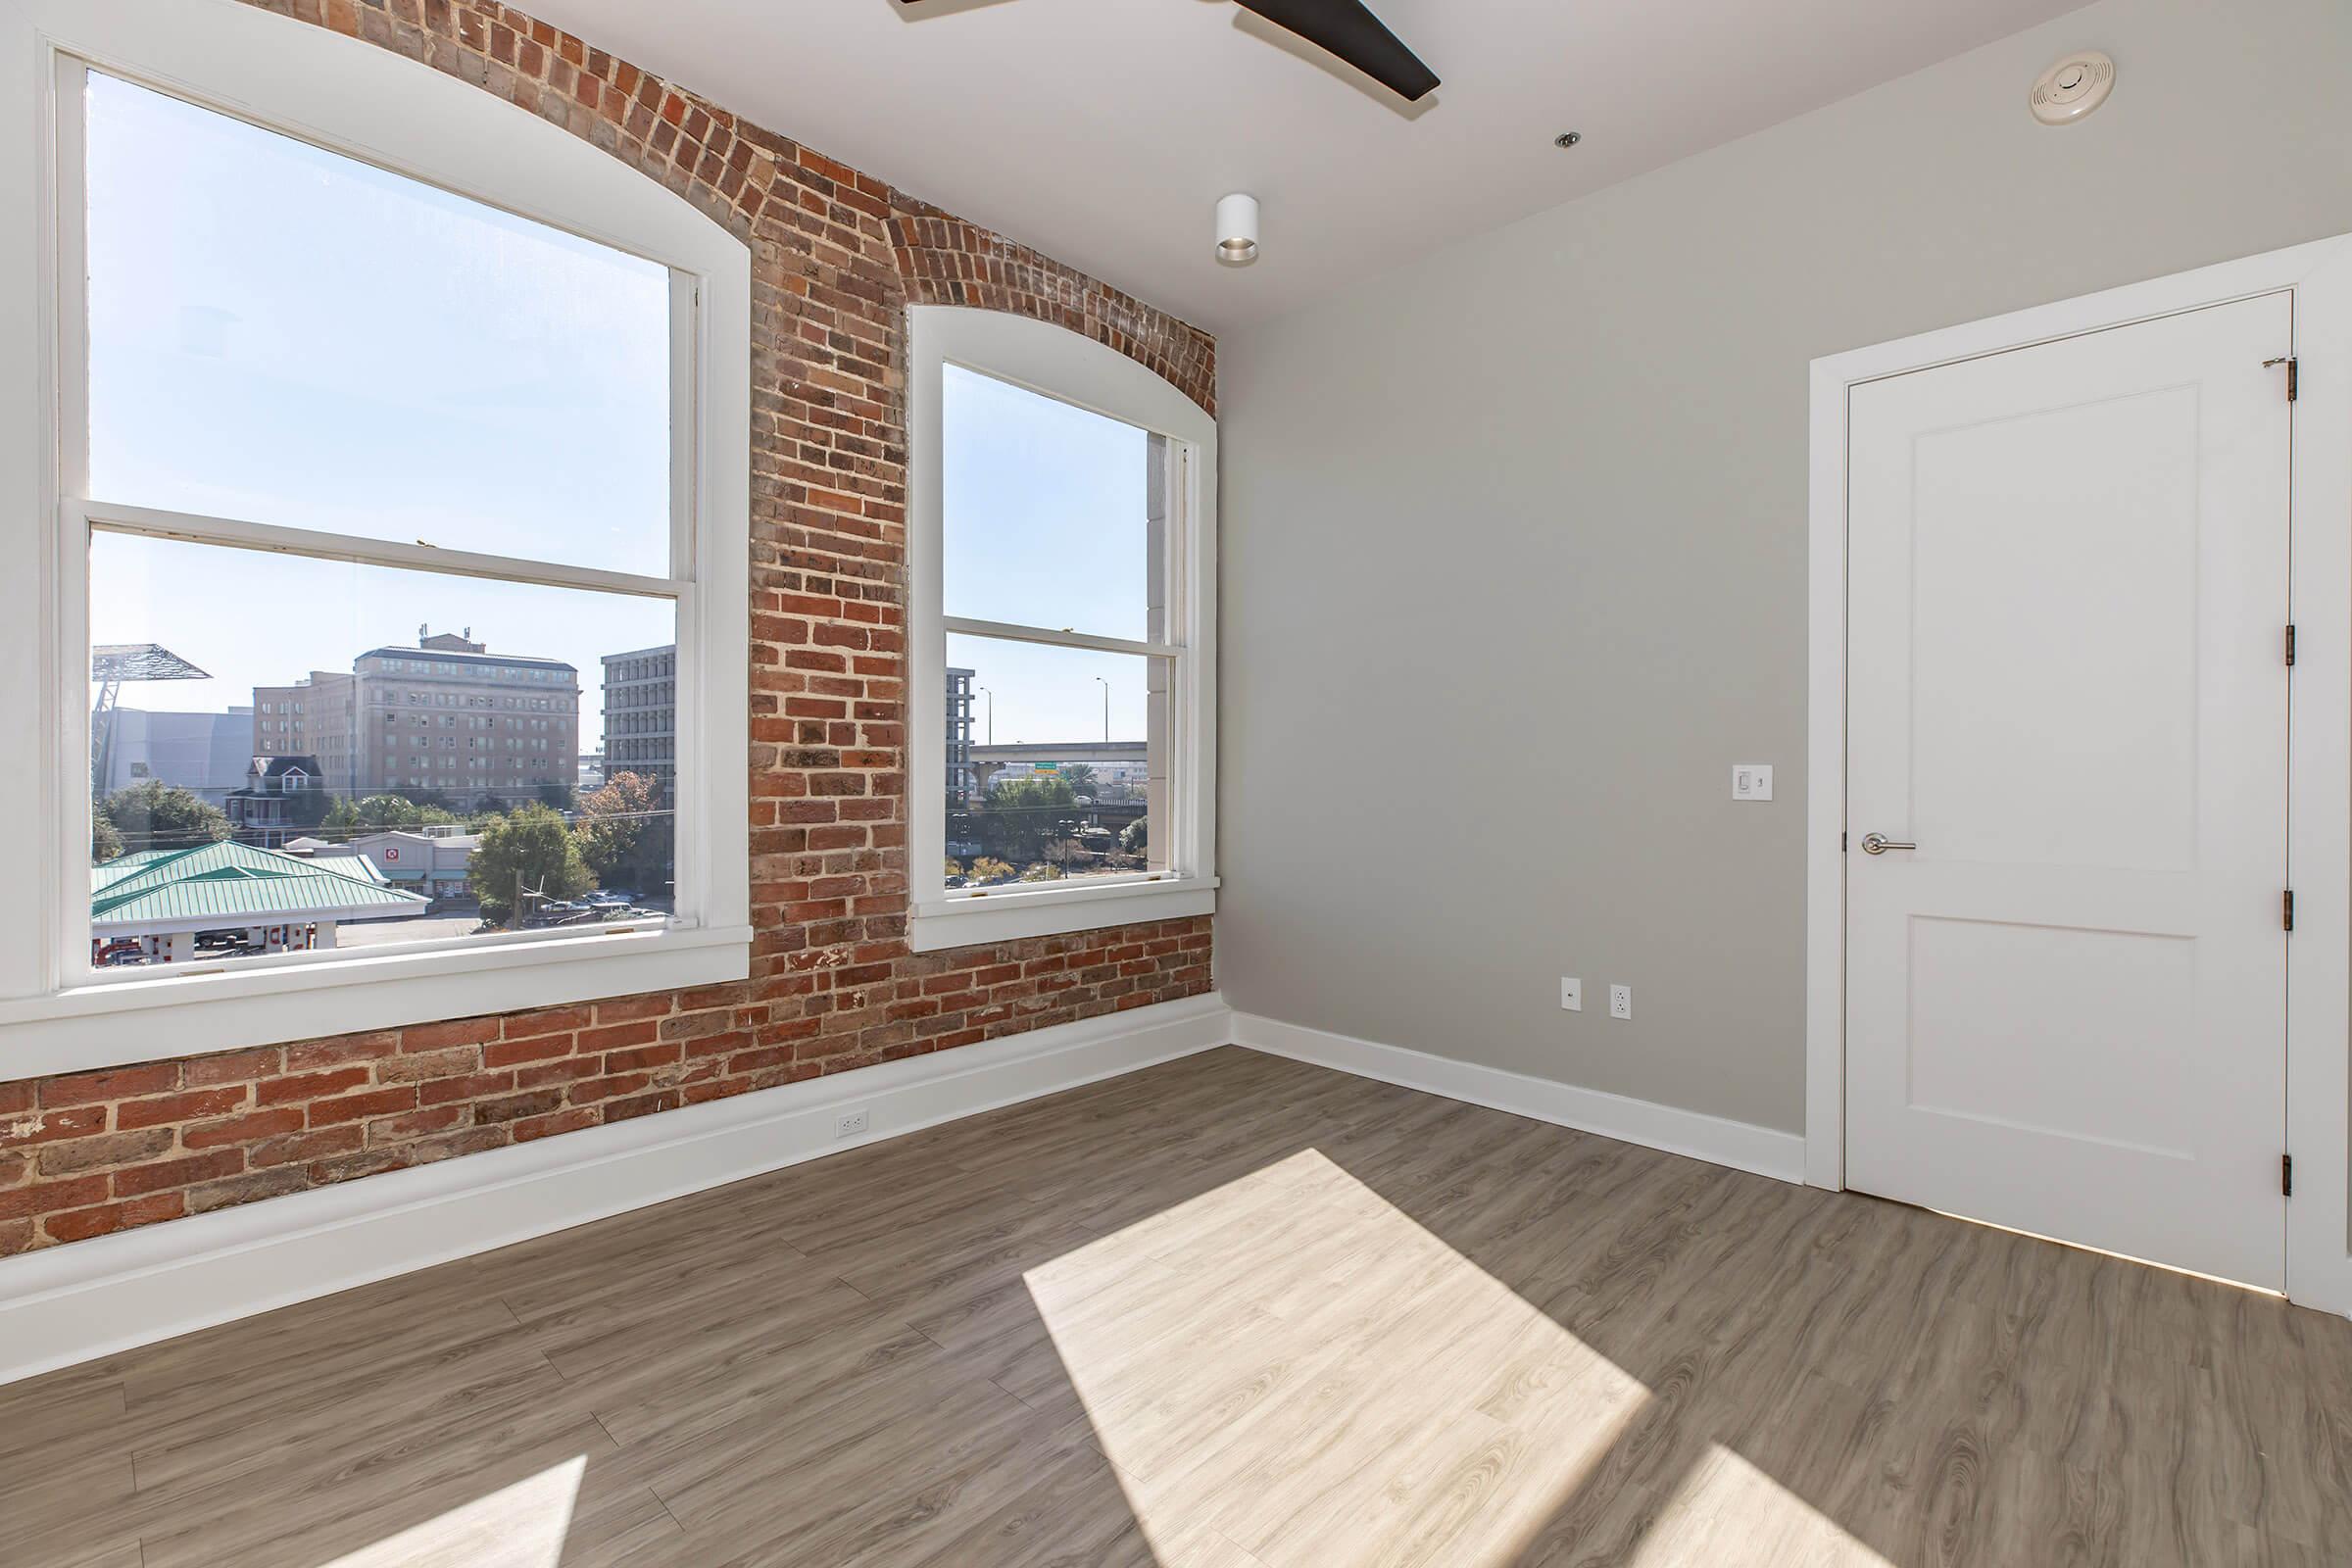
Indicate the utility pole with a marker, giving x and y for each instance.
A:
(1106, 709)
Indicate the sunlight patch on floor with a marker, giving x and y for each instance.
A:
(521, 1525)
(1293, 1364)
(1728, 1511)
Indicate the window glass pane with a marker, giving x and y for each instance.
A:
(286, 335)
(1058, 762)
(1050, 512)
(283, 757)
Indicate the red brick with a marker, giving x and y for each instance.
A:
(309, 1085)
(48, 1126)
(186, 1172)
(304, 1147)
(456, 1032)
(235, 1067)
(82, 1224)
(47, 1198)
(242, 1129)
(509, 1053)
(358, 1108)
(114, 1083)
(180, 1108)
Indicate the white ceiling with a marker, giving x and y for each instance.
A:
(1103, 132)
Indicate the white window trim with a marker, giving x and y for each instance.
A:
(1059, 363)
(372, 104)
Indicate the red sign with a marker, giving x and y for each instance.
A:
(392, 853)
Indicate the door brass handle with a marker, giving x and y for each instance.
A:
(1880, 844)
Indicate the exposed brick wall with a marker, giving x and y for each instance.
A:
(837, 255)
(947, 260)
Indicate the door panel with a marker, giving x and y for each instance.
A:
(2066, 1008)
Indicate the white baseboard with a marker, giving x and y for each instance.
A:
(73, 1303)
(1740, 1145)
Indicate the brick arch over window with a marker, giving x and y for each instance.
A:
(945, 261)
(837, 258)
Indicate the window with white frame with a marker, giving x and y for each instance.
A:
(337, 421)
(1063, 548)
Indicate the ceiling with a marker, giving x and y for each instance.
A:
(1103, 132)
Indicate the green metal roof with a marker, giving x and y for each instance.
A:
(237, 884)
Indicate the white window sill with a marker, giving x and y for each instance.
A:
(1009, 914)
(151, 1018)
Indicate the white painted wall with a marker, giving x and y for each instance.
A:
(1516, 540)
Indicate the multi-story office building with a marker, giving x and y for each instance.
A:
(959, 736)
(447, 717)
(641, 712)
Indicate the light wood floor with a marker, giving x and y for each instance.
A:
(1231, 1312)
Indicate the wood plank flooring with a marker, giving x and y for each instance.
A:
(1230, 1312)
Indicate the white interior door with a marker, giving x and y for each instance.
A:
(2067, 684)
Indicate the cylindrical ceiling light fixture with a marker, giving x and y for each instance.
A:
(1237, 229)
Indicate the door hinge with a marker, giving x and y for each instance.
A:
(2294, 376)
(2290, 909)
(2291, 643)
(2287, 1175)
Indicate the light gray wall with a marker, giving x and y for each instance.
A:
(1513, 549)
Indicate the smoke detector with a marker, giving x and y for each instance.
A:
(2071, 88)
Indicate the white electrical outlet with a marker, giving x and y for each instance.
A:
(1751, 781)
(1621, 1002)
(1571, 994)
(849, 1124)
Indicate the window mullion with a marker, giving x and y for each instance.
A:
(1007, 631)
(236, 534)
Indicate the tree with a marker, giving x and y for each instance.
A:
(1080, 779)
(155, 815)
(1136, 836)
(105, 841)
(556, 797)
(986, 871)
(627, 836)
(527, 851)
(1018, 816)
(381, 813)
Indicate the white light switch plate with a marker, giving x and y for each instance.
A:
(1751, 781)
(1571, 994)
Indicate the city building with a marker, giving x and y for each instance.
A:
(150, 905)
(446, 716)
(435, 864)
(962, 786)
(204, 754)
(641, 712)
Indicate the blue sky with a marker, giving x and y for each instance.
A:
(1045, 527)
(284, 335)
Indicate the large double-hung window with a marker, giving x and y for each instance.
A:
(1063, 572)
(382, 414)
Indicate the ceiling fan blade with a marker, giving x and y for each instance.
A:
(1348, 29)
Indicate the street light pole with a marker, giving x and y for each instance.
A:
(1106, 710)
(992, 713)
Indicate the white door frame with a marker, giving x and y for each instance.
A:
(2319, 1108)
